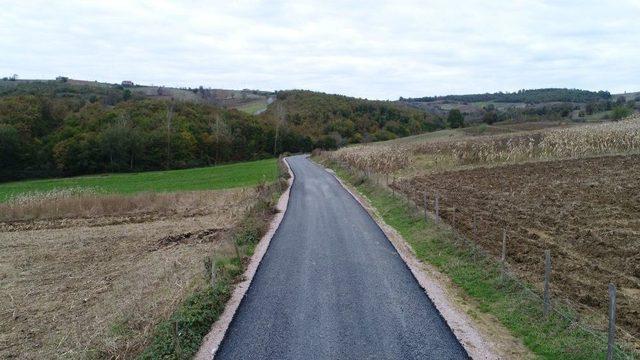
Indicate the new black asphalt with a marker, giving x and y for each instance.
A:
(331, 286)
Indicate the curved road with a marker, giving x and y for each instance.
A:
(331, 286)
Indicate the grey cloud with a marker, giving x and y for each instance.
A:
(373, 49)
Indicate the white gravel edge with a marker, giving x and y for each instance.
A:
(212, 340)
(477, 344)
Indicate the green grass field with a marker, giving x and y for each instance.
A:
(253, 107)
(243, 174)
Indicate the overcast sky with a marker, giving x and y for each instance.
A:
(372, 49)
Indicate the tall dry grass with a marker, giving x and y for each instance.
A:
(73, 203)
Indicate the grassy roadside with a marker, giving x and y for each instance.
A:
(180, 336)
(242, 174)
(557, 337)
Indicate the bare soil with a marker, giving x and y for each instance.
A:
(91, 286)
(586, 211)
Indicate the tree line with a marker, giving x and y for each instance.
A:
(43, 137)
(71, 131)
(524, 96)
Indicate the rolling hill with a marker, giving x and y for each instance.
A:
(72, 127)
(337, 120)
(525, 105)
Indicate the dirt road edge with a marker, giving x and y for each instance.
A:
(212, 340)
(476, 342)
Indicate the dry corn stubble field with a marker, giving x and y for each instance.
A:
(89, 275)
(454, 150)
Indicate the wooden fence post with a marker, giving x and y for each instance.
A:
(437, 207)
(235, 245)
(612, 322)
(503, 258)
(475, 229)
(425, 206)
(213, 273)
(547, 275)
(474, 239)
(176, 338)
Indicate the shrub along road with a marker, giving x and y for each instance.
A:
(332, 286)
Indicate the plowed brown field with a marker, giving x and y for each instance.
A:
(586, 211)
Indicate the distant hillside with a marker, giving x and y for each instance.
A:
(337, 120)
(630, 96)
(112, 93)
(55, 128)
(524, 96)
(528, 105)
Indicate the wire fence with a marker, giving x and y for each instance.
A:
(450, 216)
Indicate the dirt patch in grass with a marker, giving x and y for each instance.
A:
(200, 236)
(86, 286)
(586, 211)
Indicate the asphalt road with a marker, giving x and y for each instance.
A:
(331, 286)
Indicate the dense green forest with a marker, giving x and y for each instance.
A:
(525, 96)
(55, 129)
